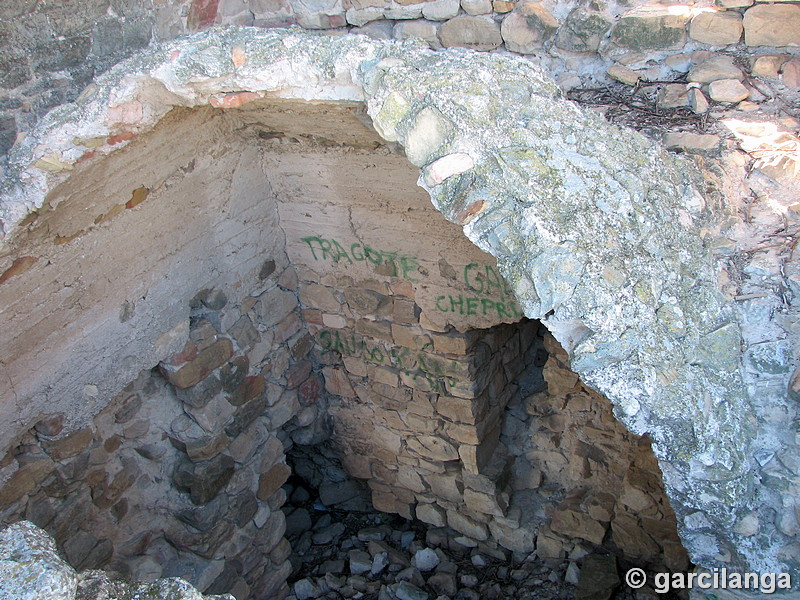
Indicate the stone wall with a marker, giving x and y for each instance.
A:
(53, 52)
(393, 295)
(421, 348)
(312, 296)
(580, 43)
(582, 481)
(49, 52)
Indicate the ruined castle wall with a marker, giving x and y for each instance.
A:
(600, 233)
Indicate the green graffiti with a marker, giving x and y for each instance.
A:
(484, 279)
(472, 305)
(328, 249)
(437, 371)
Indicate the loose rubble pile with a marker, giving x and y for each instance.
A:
(344, 554)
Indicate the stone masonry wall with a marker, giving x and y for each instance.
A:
(409, 337)
(392, 295)
(581, 480)
(180, 473)
(405, 334)
(580, 43)
(50, 51)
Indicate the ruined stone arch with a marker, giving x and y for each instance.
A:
(599, 232)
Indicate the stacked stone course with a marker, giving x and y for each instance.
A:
(424, 379)
(582, 480)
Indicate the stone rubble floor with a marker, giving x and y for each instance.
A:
(376, 556)
(368, 555)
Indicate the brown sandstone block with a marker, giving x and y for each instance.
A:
(454, 342)
(193, 372)
(463, 434)
(467, 526)
(528, 27)
(431, 514)
(288, 327)
(70, 445)
(312, 316)
(717, 28)
(319, 296)
(410, 336)
(203, 334)
(476, 457)
(337, 382)
(251, 386)
(433, 448)
(384, 375)
(51, 425)
(270, 481)
(489, 504)
(301, 347)
(650, 27)
(503, 6)
(577, 524)
(297, 374)
(206, 448)
(404, 288)
(355, 366)
(271, 533)
(790, 73)
(25, 480)
(630, 537)
(366, 301)
(381, 330)
(772, 25)
(421, 424)
(768, 65)
(406, 311)
(462, 410)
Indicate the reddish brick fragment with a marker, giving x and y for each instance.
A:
(309, 391)
(188, 353)
(297, 374)
(232, 100)
(202, 14)
(118, 138)
(194, 371)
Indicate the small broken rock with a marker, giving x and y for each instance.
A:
(727, 90)
(623, 74)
